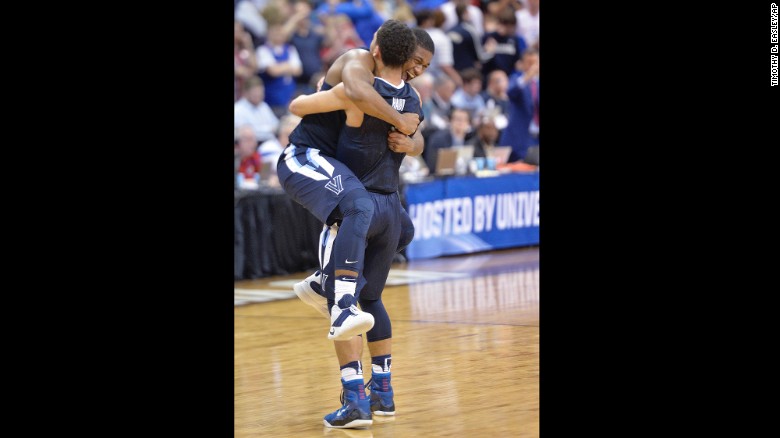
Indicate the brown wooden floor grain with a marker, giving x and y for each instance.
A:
(465, 353)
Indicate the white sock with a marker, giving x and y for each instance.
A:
(350, 373)
(344, 288)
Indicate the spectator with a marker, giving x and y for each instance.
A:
(467, 50)
(340, 36)
(493, 7)
(279, 65)
(440, 106)
(496, 98)
(363, 16)
(272, 148)
(523, 104)
(252, 110)
(455, 136)
(468, 97)
(503, 44)
(442, 63)
(473, 17)
(396, 9)
(487, 135)
(528, 23)
(308, 43)
(247, 12)
(244, 60)
(250, 162)
(424, 85)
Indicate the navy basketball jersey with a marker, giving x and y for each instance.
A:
(364, 149)
(319, 130)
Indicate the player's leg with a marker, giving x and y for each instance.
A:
(381, 249)
(380, 339)
(356, 409)
(355, 210)
(332, 192)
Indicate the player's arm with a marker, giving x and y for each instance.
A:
(326, 101)
(404, 144)
(419, 144)
(410, 145)
(358, 80)
(321, 102)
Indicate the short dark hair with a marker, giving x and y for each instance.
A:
(471, 74)
(253, 81)
(423, 15)
(424, 39)
(460, 11)
(396, 42)
(507, 17)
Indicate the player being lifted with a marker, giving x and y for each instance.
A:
(375, 157)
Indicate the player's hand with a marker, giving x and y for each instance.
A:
(409, 122)
(400, 143)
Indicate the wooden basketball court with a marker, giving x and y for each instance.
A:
(465, 352)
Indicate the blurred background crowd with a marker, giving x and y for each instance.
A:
(481, 89)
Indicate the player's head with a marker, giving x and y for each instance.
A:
(396, 43)
(423, 53)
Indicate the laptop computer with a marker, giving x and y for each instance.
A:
(446, 159)
(465, 153)
(500, 154)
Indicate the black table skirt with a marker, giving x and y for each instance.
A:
(274, 235)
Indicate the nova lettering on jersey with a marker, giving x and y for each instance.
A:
(398, 104)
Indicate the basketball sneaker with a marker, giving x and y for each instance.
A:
(310, 292)
(355, 410)
(346, 320)
(381, 394)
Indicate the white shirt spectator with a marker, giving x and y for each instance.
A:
(270, 150)
(443, 53)
(260, 117)
(528, 26)
(248, 13)
(473, 104)
(451, 18)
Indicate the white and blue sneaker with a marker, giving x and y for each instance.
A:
(381, 394)
(347, 320)
(310, 292)
(355, 411)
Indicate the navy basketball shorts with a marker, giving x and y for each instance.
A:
(315, 181)
(381, 246)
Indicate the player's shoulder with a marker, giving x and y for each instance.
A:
(356, 53)
(409, 89)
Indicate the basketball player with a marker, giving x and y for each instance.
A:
(365, 148)
(331, 192)
(361, 67)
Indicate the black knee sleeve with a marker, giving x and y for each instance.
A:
(382, 328)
